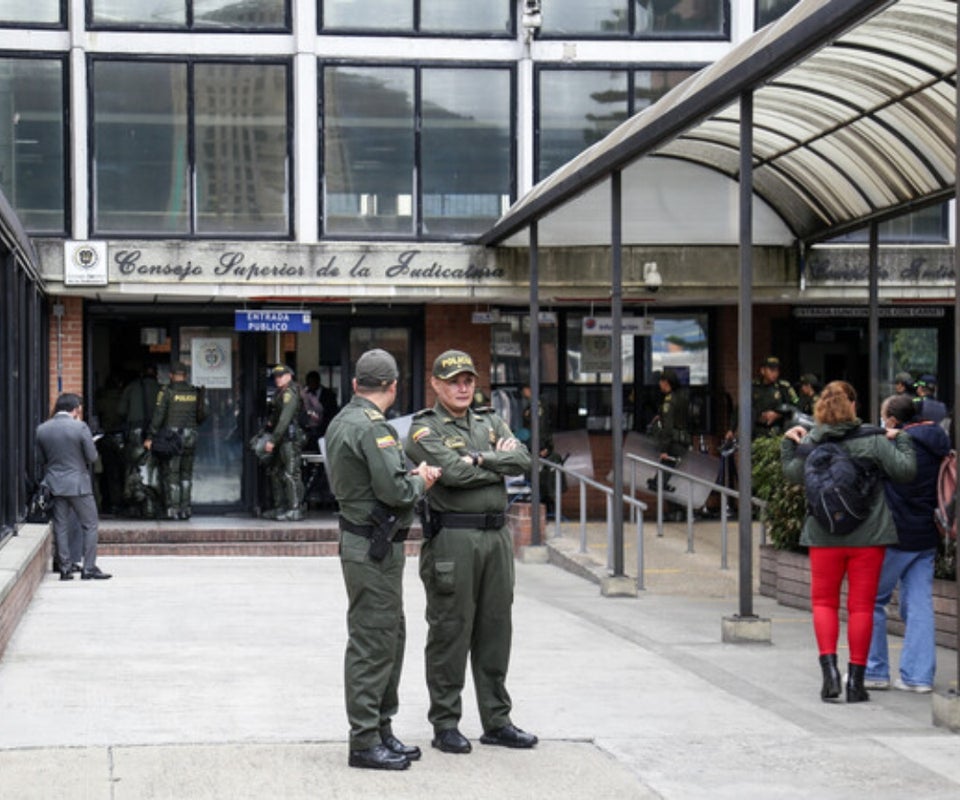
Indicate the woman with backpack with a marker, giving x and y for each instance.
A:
(848, 526)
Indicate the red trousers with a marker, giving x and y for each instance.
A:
(862, 567)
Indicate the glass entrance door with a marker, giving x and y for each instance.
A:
(213, 354)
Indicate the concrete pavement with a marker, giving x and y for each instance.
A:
(222, 678)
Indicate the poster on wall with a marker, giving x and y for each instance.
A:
(596, 354)
(211, 364)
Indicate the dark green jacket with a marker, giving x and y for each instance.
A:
(179, 405)
(897, 462)
(365, 464)
(284, 413)
(672, 432)
(770, 397)
(441, 440)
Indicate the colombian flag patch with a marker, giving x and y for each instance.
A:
(419, 434)
(386, 441)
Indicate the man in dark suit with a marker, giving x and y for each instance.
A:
(67, 452)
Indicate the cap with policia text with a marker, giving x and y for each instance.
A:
(376, 369)
(452, 363)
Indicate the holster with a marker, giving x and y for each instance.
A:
(385, 524)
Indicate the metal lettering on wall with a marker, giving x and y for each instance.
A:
(851, 267)
(301, 265)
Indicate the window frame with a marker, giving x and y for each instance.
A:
(189, 26)
(631, 34)
(55, 26)
(415, 30)
(190, 62)
(417, 234)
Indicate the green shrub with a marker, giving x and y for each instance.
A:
(786, 504)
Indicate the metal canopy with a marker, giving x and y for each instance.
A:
(854, 109)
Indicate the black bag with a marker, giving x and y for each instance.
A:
(839, 487)
(166, 443)
(40, 505)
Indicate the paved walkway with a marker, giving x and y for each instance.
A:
(222, 678)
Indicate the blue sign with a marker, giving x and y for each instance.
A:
(277, 321)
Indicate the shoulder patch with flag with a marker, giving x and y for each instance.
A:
(419, 433)
(386, 441)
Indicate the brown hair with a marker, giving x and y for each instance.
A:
(834, 403)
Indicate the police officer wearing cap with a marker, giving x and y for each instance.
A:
(285, 444)
(808, 394)
(671, 425)
(180, 407)
(770, 394)
(376, 494)
(466, 562)
(926, 403)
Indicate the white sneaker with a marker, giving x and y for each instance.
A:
(876, 683)
(919, 688)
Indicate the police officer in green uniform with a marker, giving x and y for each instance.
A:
(808, 394)
(286, 445)
(466, 562)
(770, 394)
(376, 494)
(181, 407)
(671, 425)
(137, 403)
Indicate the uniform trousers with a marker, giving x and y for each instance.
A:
(827, 567)
(376, 630)
(468, 576)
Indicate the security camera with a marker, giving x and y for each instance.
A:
(532, 17)
(652, 278)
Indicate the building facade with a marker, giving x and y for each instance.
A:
(234, 183)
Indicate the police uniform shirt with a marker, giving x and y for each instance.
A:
(286, 406)
(176, 407)
(441, 439)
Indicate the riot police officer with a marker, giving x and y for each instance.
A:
(285, 443)
(770, 394)
(376, 494)
(466, 562)
(180, 408)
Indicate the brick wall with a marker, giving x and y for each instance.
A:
(449, 328)
(72, 348)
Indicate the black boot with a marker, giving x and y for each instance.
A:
(856, 693)
(831, 677)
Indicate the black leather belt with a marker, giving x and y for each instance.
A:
(484, 522)
(366, 531)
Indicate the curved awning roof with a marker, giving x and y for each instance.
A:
(853, 121)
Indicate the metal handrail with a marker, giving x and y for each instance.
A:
(637, 507)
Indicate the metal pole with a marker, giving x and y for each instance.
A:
(745, 354)
(873, 325)
(535, 532)
(616, 427)
(956, 344)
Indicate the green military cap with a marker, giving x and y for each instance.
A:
(281, 369)
(451, 363)
(771, 361)
(178, 367)
(903, 377)
(810, 378)
(376, 369)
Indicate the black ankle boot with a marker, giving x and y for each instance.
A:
(856, 693)
(831, 677)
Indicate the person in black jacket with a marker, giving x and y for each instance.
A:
(910, 561)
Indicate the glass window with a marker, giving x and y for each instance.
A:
(32, 169)
(680, 17)
(466, 146)
(769, 10)
(588, 17)
(465, 16)
(372, 156)
(266, 14)
(910, 349)
(510, 357)
(388, 15)
(577, 108)
(368, 144)
(241, 146)
(925, 226)
(140, 169)
(144, 171)
(40, 12)
(395, 341)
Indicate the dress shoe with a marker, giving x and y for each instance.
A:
(378, 757)
(509, 736)
(95, 574)
(451, 740)
(831, 677)
(394, 745)
(66, 575)
(76, 568)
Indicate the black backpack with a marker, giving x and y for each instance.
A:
(839, 487)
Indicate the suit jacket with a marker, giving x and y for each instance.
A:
(66, 451)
